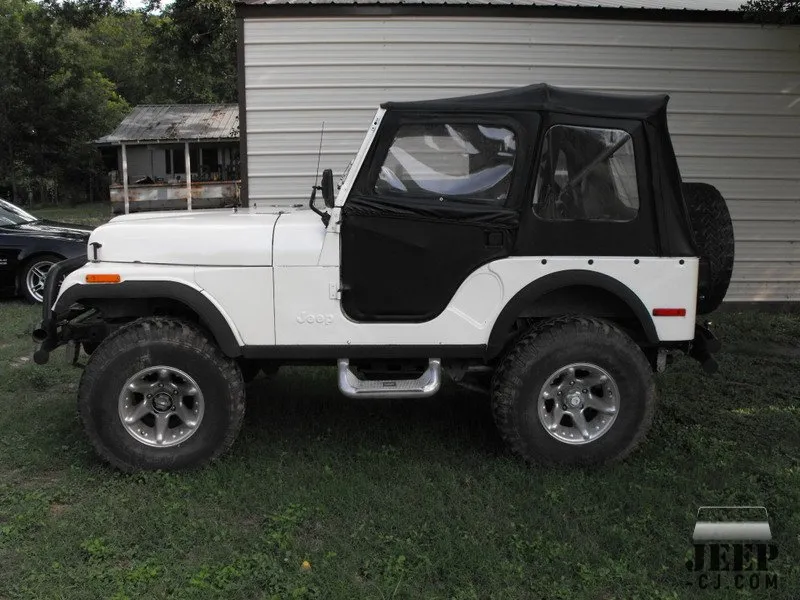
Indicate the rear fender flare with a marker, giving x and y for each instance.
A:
(529, 294)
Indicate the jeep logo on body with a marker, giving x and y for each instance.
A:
(314, 319)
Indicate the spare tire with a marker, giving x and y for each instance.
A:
(713, 234)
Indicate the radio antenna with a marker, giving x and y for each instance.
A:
(323, 215)
(319, 153)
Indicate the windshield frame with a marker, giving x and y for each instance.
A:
(11, 214)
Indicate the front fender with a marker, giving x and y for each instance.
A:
(145, 282)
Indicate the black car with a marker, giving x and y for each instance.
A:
(29, 247)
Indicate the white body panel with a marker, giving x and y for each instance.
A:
(307, 314)
(215, 237)
(734, 110)
(298, 239)
(246, 294)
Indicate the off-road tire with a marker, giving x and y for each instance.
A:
(553, 345)
(174, 343)
(713, 233)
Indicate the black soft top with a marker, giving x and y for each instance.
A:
(646, 121)
(543, 97)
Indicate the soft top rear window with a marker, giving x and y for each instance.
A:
(586, 174)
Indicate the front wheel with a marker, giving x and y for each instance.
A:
(574, 391)
(158, 394)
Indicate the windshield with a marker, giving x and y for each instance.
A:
(14, 215)
(344, 175)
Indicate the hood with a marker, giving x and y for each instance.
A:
(53, 230)
(203, 237)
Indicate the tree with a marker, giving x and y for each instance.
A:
(119, 46)
(780, 12)
(52, 103)
(83, 13)
(196, 43)
(73, 68)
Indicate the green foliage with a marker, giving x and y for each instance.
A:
(119, 47)
(781, 12)
(74, 68)
(52, 102)
(202, 34)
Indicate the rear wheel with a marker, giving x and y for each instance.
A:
(158, 394)
(713, 233)
(34, 275)
(574, 391)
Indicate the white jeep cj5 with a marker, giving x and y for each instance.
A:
(535, 243)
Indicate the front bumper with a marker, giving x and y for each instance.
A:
(47, 335)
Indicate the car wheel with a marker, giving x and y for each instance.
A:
(158, 394)
(574, 391)
(34, 275)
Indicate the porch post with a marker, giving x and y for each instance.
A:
(125, 179)
(188, 162)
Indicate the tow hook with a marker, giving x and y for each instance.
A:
(703, 346)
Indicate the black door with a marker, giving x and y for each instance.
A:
(430, 206)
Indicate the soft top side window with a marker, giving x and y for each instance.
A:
(586, 174)
(467, 162)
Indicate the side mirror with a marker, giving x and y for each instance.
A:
(328, 194)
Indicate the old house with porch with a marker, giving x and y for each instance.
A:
(179, 156)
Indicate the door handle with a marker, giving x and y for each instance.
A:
(494, 239)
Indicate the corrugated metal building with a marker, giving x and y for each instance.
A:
(735, 88)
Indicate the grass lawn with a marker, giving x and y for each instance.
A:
(87, 214)
(396, 499)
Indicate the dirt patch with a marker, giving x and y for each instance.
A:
(25, 481)
(252, 521)
(56, 509)
(20, 361)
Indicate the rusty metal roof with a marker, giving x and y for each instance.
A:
(689, 5)
(169, 123)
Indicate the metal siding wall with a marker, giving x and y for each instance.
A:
(734, 114)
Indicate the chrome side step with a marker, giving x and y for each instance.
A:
(426, 385)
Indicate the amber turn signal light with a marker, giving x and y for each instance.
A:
(103, 278)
